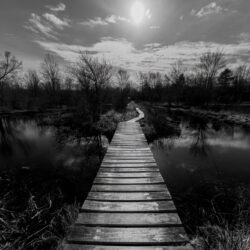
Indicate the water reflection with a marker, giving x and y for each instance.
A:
(25, 144)
(204, 150)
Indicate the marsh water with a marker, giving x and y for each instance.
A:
(205, 151)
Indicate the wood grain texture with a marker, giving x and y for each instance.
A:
(131, 219)
(124, 206)
(124, 169)
(132, 196)
(128, 165)
(148, 180)
(128, 235)
(110, 247)
(129, 175)
(129, 188)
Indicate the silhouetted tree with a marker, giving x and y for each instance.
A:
(51, 75)
(8, 67)
(32, 80)
(123, 78)
(210, 64)
(93, 75)
(225, 78)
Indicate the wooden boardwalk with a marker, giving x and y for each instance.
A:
(129, 205)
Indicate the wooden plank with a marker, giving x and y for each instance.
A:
(129, 175)
(132, 154)
(128, 235)
(110, 247)
(123, 206)
(128, 165)
(132, 219)
(123, 170)
(131, 157)
(144, 149)
(153, 180)
(127, 161)
(129, 188)
(134, 196)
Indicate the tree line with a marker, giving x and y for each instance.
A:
(211, 81)
(87, 84)
(92, 84)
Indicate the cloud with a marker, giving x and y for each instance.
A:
(153, 57)
(98, 21)
(244, 37)
(57, 22)
(37, 25)
(209, 9)
(59, 7)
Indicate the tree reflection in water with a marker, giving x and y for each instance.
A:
(199, 146)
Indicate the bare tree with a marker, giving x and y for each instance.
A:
(51, 75)
(32, 80)
(123, 78)
(242, 75)
(8, 66)
(93, 75)
(177, 72)
(210, 64)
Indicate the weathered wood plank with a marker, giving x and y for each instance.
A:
(142, 149)
(123, 170)
(131, 219)
(128, 235)
(108, 161)
(132, 196)
(131, 154)
(129, 175)
(153, 180)
(127, 157)
(110, 247)
(128, 188)
(122, 206)
(128, 165)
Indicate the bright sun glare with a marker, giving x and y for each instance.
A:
(137, 12)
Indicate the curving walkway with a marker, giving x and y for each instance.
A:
(140, 116)
(129, 205)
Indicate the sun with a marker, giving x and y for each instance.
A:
(137, 12)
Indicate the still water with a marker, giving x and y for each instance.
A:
(26, 144)
(203, 152)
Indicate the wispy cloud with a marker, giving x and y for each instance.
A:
(244, 37)
(59, 7)
(37, 25)
(98, 21)
(46, 24)
(212, 8)
(56, 21)
(153, 57)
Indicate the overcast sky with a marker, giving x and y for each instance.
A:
(167, 31)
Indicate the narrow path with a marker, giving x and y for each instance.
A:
(129, 205)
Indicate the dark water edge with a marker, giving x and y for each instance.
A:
(46, 172)
(205, 164)
(48, 162)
